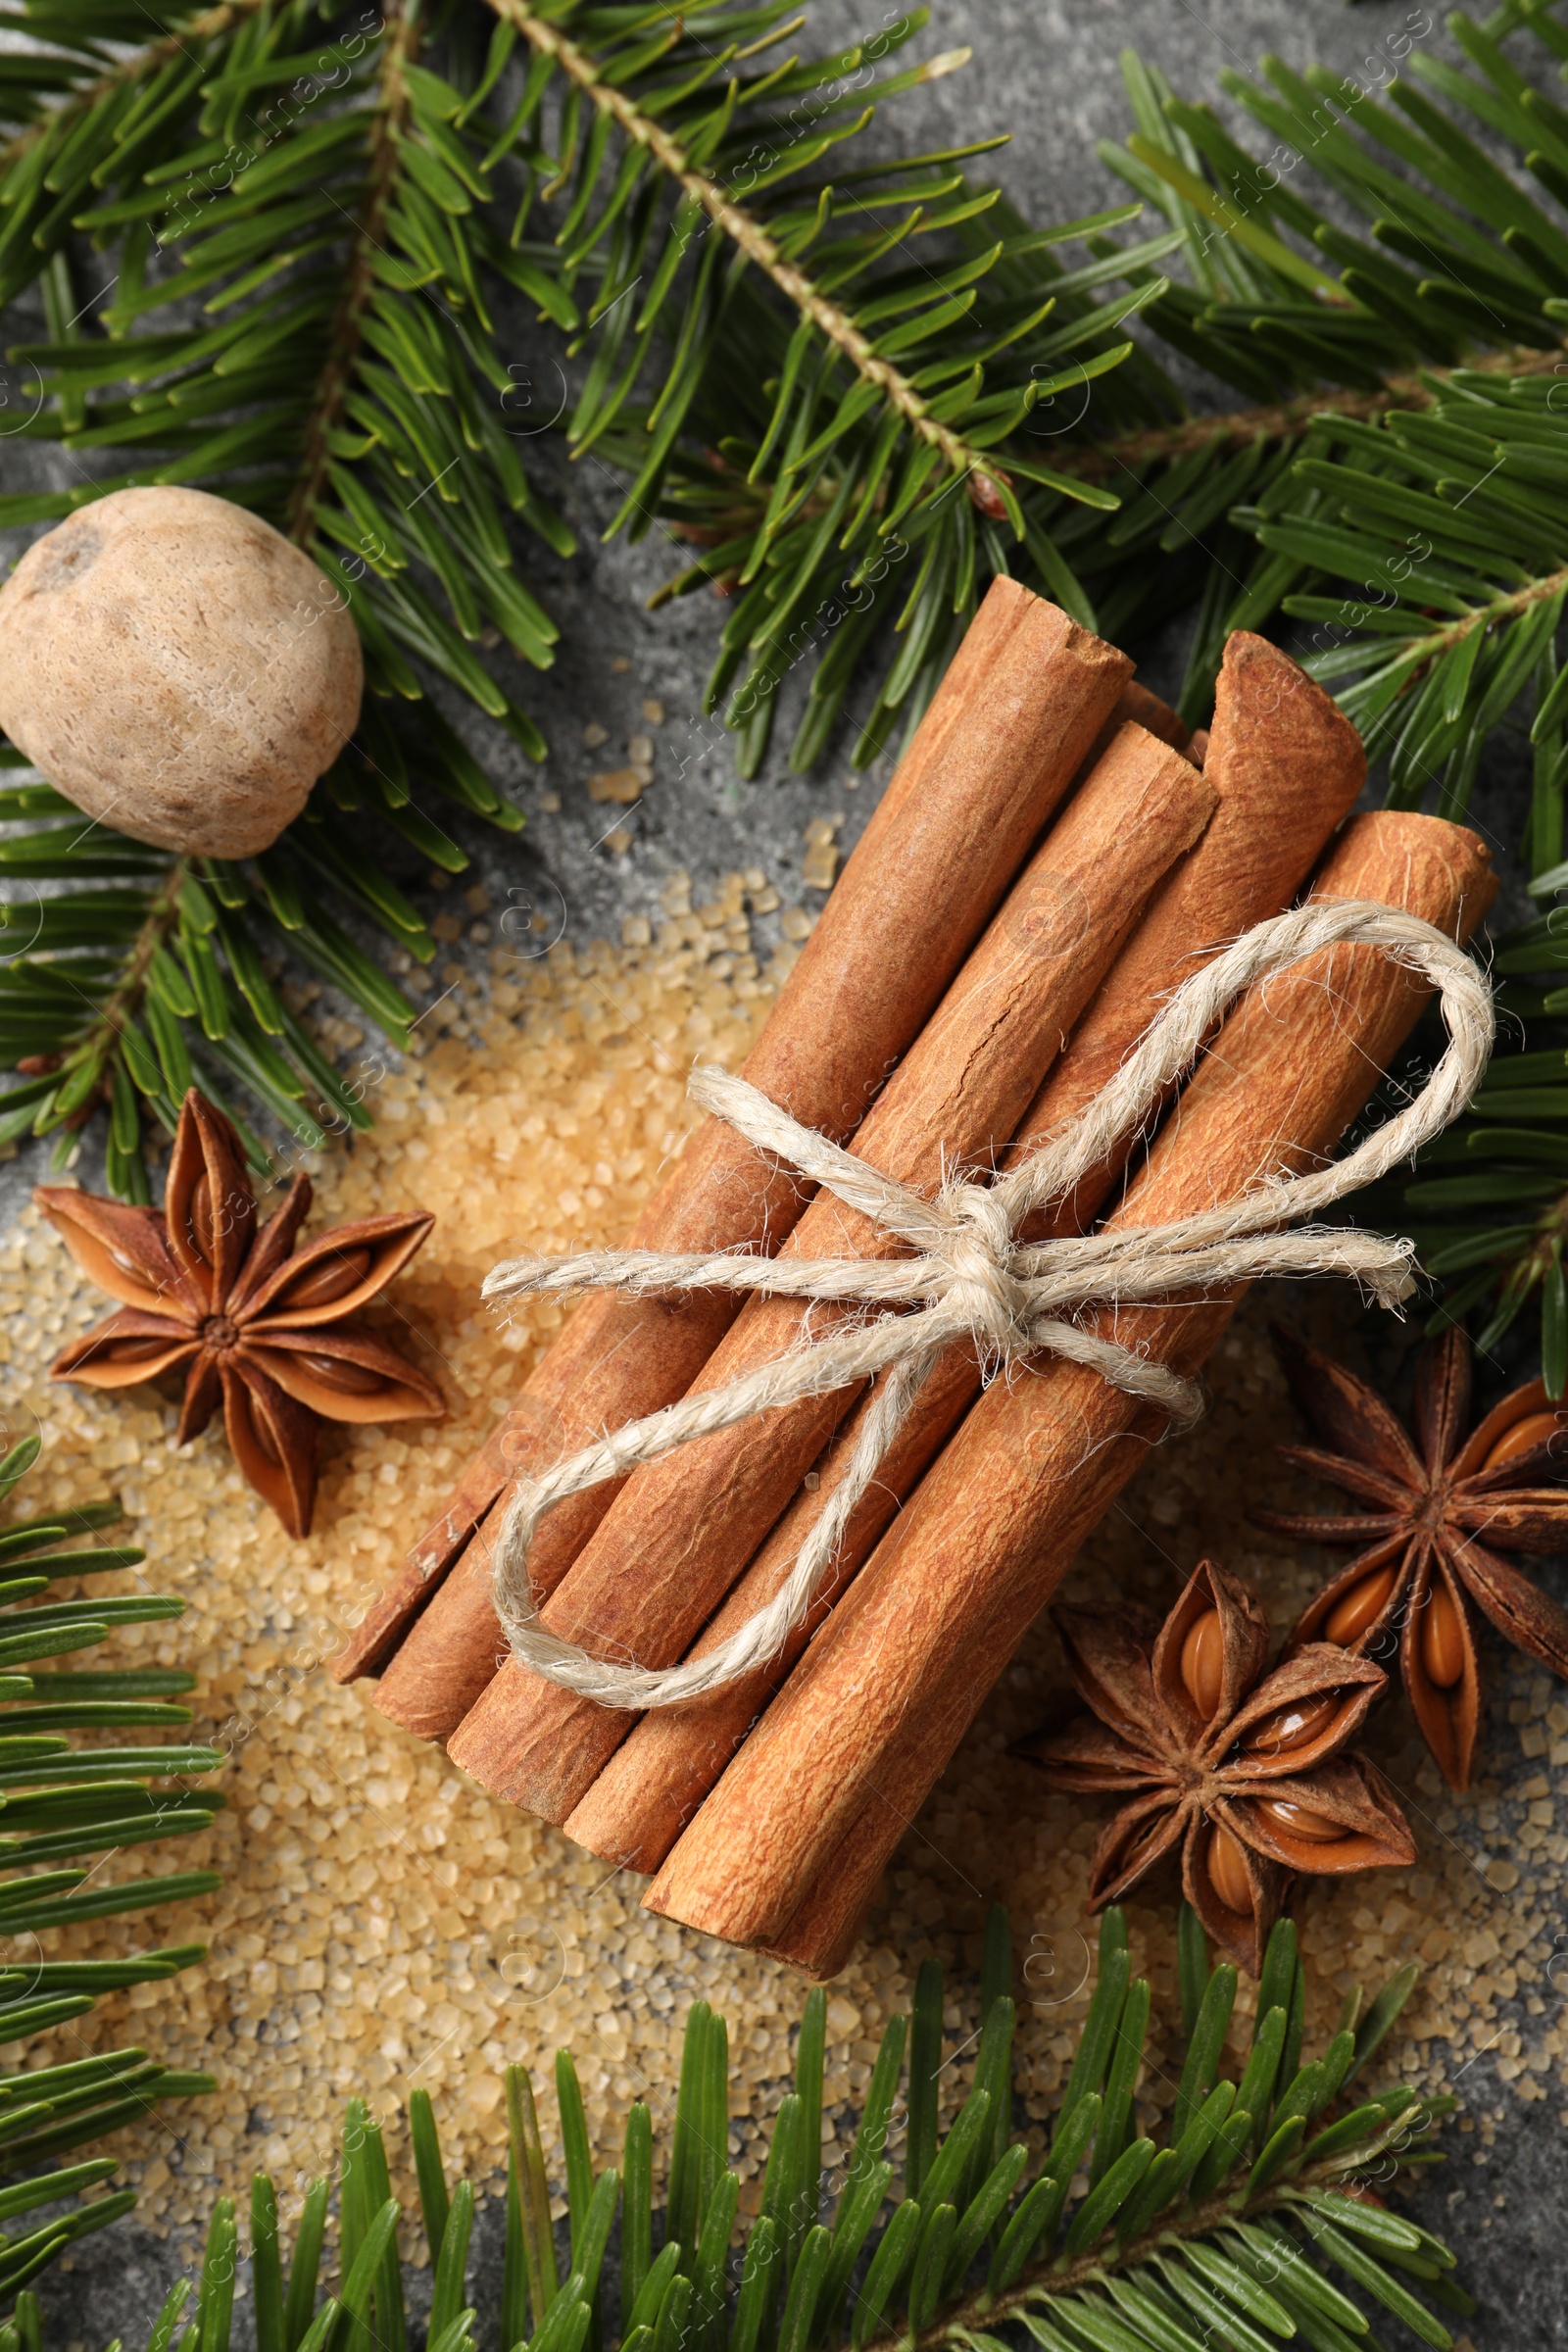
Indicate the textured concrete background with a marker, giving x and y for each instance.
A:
(1044, 70)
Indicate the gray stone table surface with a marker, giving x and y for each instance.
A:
(1044, 70)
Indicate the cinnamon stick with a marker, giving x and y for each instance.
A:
(1146, 710)
(456, 1646)
(1288, 766)
(787, 1850)
(654, 1783)
(667, 1551)
(997, 750)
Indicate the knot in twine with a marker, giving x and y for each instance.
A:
(982, 1288)
(970, 1279)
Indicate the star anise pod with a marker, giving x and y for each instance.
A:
(1422, 1568)
(1244, 1773)
(252, 1321)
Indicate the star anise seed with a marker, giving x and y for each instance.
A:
(1421, 1568)
(257, 1324)
(1244, 1773)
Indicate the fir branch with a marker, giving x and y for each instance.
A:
(347, 334)
(1064, 2283)
(839, 430)
(1413, 526)
(330, 200)
(64, 1803)
(1221, 432)
(1281, 299)
(1452, 552)
(104, 1040)
(1489, 1206)
(87, 95)
(343, 377)
(1223, 2236)
(832, 322)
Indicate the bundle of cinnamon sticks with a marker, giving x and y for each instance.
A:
(1044, 867)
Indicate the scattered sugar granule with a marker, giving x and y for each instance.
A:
(821, 860)
(624, 784)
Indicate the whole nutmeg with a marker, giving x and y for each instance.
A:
(173, 666)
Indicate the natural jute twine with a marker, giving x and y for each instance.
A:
(969, 1280)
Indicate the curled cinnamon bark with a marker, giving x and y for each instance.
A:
(786, 1852)
(685, 1527)
(1288, 768)
(1022, 703)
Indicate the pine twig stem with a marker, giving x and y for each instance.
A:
(204, 28)
(834, 324)
(1485, 617)
(1286, 420)
(358, 282)
(1535, 1262)
(161, 919)
(1050, 2280)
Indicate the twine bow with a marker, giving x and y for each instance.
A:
(970, 1279)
